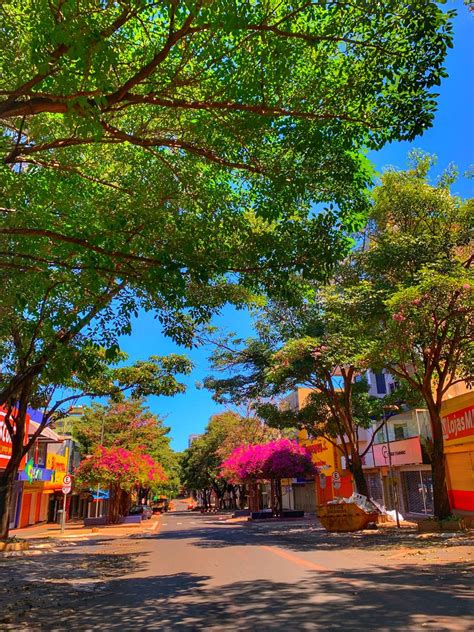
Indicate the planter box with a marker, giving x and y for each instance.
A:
(95, 522)
(453, 525)
(131, 519)
(261, 515)
(6, 547)
(437, 526)
(239, 513)
(292, 513)
(429, 526)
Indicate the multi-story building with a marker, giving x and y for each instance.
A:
(397, 464)
(458, 433)
(192, 438)
(40, 480)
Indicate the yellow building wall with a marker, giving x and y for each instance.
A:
(458, 430)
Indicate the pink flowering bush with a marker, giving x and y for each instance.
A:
(118, 466)
(278, 459)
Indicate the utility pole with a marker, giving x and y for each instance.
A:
(98, 484)
(393, 485)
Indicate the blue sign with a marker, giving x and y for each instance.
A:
(32, 474)
(102, 494)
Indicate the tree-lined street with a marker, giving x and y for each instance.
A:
(237, 315)
(206, 572)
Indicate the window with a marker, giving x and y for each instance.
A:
(399, 430)
(380, 383)
(42, 447)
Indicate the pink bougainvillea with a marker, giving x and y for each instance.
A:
(128, 468)
(278, 459)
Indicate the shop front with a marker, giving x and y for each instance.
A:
(458, 434)
(41, 479)
(35, 496)
(332, 480)
(5, 454)
(404, 476)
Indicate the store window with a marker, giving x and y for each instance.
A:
(418, 492)
(42, 449)
(374, 485)
(400, 431)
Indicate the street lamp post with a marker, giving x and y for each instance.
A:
(98, 484)
(393, 485)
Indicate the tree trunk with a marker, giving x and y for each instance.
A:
(115, 496)
(358, 474)
(441, 504)
(7, 479)
(278, 497)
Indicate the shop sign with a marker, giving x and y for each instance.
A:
(404, 452)
(368, 459)
(458, 425)
(5, 439)
(32, 473)
(58, 464)
(322, 454)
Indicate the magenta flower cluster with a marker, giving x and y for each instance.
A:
(122, 466)
(278, 459)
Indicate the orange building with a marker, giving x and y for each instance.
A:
(458, 433)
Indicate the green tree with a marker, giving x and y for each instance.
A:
(225, 432)
(419, 258)
(160, 156)
(210, 80)
(322, 346)
(130, 425)
(89, 374)
(151, 149)
(122, 471)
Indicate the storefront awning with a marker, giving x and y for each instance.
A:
(47, 435)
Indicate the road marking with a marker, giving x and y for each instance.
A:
(296, 560)
(299, 561)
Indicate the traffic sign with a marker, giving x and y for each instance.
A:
(67, 480)
(66, 489)
(336, 476)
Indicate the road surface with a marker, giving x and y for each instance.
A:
(201, 572)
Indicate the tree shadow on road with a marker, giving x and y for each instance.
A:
(308, 537)
(395, 599)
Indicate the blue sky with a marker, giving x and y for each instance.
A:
(451, 138)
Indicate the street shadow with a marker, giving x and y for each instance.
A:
(308, 537)
(390, 600)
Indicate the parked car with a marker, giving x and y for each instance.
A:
(145, 511)
(161, 505)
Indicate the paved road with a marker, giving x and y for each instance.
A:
(199, 572)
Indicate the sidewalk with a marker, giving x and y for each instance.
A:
(78, 530)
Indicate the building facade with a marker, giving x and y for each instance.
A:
(458, 434)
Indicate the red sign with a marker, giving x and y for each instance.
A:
(459, 424)
(404, 452)
(5, 439)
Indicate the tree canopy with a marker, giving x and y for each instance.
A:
(275, 460)
(417, 260)
(225, 432)
(129, 425)
(161, 156)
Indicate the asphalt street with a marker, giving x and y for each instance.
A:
(202, 572)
